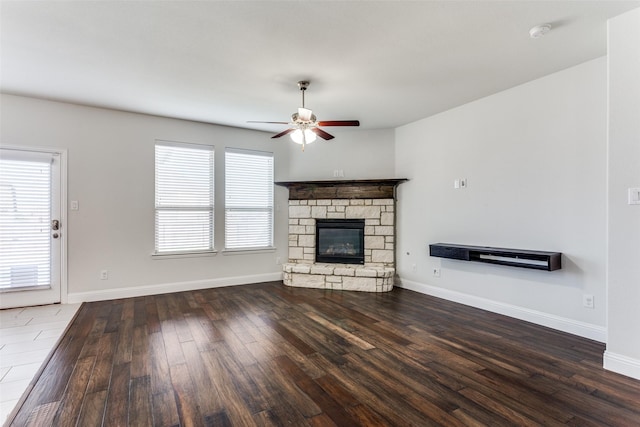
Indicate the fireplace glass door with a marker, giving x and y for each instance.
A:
(340, 241)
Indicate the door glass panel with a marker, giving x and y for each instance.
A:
(25, 222)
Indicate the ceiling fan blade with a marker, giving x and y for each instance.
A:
(283, 133)
(277, 123)
(339, 123)
(304, 114)
(322, 134)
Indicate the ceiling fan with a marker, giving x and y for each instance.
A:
(304, 127)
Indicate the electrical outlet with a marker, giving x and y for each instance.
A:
(278, 260)
(436, 272)
(104, 274)
(587, 301)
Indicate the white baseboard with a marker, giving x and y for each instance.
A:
(165, 288)
(622, 364)
(582, 329)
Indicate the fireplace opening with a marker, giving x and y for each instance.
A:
(340, 241)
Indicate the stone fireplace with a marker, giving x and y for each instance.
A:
(318, 211)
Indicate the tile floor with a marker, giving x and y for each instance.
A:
(27, 335)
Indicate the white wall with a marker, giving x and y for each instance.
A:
(111, 174)
(535, 160)
(360, 154)
(623, 267)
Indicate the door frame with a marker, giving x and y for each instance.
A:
(62, 153)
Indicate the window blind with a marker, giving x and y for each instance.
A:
(184, 219)
(25, 220)
(248, 199)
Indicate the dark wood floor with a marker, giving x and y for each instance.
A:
(270, 355)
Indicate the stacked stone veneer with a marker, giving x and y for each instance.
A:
(377, 273)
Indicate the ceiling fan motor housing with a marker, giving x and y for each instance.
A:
(295, 118)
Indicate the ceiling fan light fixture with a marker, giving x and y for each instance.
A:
(303, 137)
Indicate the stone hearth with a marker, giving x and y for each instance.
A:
(343, 277)
(371, 200)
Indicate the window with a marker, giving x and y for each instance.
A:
(184, 198)
(248, 215)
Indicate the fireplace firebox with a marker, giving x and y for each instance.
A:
(340, 241)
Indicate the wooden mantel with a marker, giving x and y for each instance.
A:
(343, 189)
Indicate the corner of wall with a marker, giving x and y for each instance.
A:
(622, 364)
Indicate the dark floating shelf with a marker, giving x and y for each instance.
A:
(537, 260)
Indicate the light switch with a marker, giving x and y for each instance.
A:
(74, 205)
(634, 196)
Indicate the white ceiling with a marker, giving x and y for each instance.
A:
(385, 63)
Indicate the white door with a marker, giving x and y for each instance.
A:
(30, 227)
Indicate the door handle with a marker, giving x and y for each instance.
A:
(55, 224)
